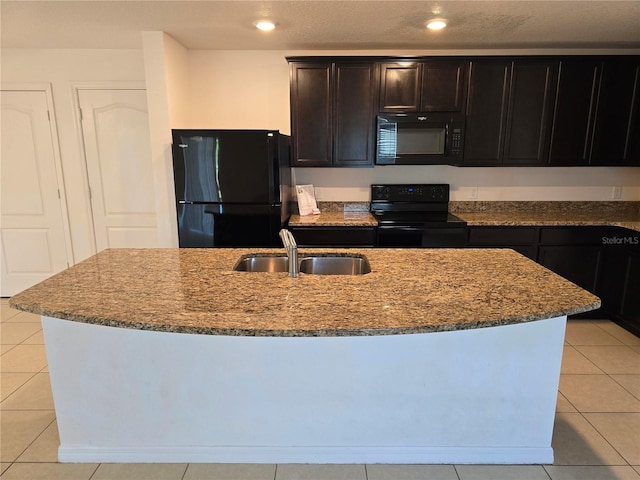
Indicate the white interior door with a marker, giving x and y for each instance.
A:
(115, 129)
(32, 229)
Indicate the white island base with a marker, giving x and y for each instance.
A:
(485, 395)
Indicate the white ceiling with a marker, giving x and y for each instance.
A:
(323, 24)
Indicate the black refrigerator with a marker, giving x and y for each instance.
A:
(233, 187)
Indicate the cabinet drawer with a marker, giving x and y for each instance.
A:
(501, 236)
(574, 235)
(334, 236)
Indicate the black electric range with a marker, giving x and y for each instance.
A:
(416, 215)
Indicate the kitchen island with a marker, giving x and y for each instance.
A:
(435, 356)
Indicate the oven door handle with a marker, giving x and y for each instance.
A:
(400, 228)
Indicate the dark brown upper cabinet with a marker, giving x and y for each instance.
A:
(399, 87)
(575, 106)
(332, 113)
(597, 113)
(509, 108)
(486, 112)
(530, 111)
(424, 86)
(311, 113)
(520, 111)
(616, 136)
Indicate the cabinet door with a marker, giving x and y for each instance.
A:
(529, 117)
(578, 264)
(574, 109)
(399, 87)
(311, 114)
(443, 86)
(520, 239)
(354, 115)
(616, 139)
(486, 112)
(630, 312)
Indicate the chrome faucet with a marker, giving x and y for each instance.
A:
(291, 247)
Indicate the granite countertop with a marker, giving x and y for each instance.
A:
(407, 291)
(495, 213)
(542, 219)
(334, 219)
(616, 214)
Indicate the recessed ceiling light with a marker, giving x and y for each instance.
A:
(436, 24)
(265, 25)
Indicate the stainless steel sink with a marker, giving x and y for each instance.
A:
(317, 264)
(335, 265)
(256, 263)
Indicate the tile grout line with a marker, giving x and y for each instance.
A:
(18, 388)
(455, 469)
(568, 401)
(36, 438)
(545, 471)
(94, 472)
(588, 360)
(604, 330)
(611, 378)
(603, 436)
(623, 387)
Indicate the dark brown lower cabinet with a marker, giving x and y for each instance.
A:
(629, 315)
(334, 236)
(602, 260)
(520, 239)
(620, 288)
(579, 264)
(574, 253)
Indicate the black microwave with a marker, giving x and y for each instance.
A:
(420, 139)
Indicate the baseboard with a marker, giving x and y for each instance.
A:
(333, 455)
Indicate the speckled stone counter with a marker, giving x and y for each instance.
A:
(495, 213)
(334, 219)
(617, 214)
(407, 291)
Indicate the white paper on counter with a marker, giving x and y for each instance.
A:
(307, 200)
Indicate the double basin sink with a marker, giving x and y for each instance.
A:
(318, 264)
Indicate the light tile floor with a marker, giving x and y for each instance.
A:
(596, 435)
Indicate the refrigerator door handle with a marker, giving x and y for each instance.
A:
(185, 202)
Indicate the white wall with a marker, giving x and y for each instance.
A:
(165, 62)
(239, 89)
(62, 69)
(499, 183)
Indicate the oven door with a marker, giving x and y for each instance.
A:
(444, 237)
(421, 236)
(400, 236)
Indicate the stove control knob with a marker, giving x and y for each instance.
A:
(438, 193)
(381, 193)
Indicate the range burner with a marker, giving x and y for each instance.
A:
(416, 215)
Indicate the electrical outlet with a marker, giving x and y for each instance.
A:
(473, 193)
(616, 194)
